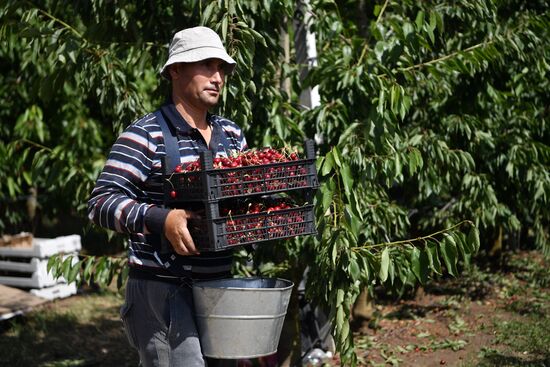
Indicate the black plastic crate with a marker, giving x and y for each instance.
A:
(215, 234)
(217, 184)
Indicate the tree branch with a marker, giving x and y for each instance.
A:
(55, 19)
(410, 241)
(382, 11)
(446, 57)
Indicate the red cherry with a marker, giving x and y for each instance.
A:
(173, 194)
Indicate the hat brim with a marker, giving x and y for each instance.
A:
(199, 54)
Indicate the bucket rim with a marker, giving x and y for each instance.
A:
(201, 284)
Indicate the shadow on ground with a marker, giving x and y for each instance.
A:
(58, 339)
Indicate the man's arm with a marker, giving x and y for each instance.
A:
(118, 201)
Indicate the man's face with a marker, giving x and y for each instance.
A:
(199, 83)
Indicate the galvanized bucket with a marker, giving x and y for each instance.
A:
(241, 317)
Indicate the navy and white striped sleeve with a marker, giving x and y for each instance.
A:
(114, 202)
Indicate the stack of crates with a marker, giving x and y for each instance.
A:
(26, 267)
(208, 189)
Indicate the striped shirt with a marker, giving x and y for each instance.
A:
(128, 196)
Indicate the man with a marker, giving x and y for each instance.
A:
(158, 313)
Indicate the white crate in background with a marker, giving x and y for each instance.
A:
(45, 247)
(33, 274)
(33, 264)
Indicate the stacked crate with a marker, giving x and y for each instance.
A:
(26, 267)
(208, 189)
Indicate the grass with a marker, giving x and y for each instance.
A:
(82, 331)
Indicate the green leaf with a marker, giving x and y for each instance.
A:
(398, 166)
(340, 296)
(224, 28)
(345, 329)
(384, 264)
(381, 102)
(463, 249)
(337, 157)
(27, 177)
(73, 273)
(430, 32)
(420, 264)
(52, 264)
(12, 186)
(334, 254)
(419, 20)
(340, 316)
(395, 98)
(258, 37)
(391, 272)
(433, 20)
(328, 164)
(66, 267)
(319, 163)
(327, 196)
(433, 257)
(449, 253)
(350, 130)
(424, 269)
(473, 238)
(366, 269)
(87, 271)
(347, 179)
(99, 269)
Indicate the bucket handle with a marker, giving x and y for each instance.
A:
(242, 317)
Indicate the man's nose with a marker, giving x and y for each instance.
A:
(217, 77)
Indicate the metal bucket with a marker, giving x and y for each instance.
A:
(241, 317)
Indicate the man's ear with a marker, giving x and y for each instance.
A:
(174, 71)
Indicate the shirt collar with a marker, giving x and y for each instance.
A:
(177, 121)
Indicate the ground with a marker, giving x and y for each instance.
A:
(488, 318)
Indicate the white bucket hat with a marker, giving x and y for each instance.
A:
(196, 44)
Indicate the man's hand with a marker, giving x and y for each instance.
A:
(176, 231)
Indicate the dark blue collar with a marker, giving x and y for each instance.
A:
(176, 119)
(182, 127)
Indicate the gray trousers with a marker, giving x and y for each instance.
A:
(159, 322)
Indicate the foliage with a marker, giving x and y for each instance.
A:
(433, 119)
(99, 270)
(423, 116)
(456, 153)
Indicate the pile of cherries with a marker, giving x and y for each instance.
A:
(252, 157)
(270, 221)
(252, 171)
